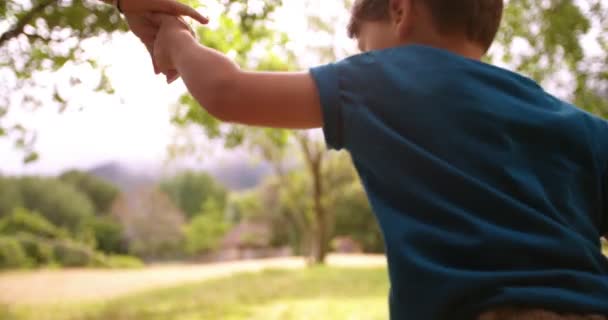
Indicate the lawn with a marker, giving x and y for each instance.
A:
(314, 293)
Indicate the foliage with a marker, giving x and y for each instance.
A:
(38, 250)
(206, 229)
(109, 235)
(546, 40)
(334, 293)
(354, 218)
(117, 261)
(152, 224)
(240, 30)
(12, 254)
(190, 190)
(33, 233)
(73, 254)
(244, 205)
(45, 244)
(44, 36)
(10, 196)
(287, 202)
(60, 203)
(24, 221)
(100, 192)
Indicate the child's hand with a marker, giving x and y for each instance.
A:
(171, 31)
(137, 12)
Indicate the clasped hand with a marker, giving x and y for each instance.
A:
(155, 22)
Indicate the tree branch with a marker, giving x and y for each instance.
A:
(21, 23)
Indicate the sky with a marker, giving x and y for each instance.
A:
(133, 126)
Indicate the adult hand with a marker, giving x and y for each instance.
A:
(171, 31)
(146, 30)
(137, 16)
(170, 7)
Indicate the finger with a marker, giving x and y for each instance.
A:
(187, 26)
(157, 19)
(171, 7)
(150, 47)
(154, 18)
(172, 75)
(180, 9)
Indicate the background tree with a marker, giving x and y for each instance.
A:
(100, 192)
(561, 43)
(238, 39)
(10, 195)
(28, 239)
(190, 190)
(41, 36)
(152, 224)
(109, 234)
(206, 229)
(60, 203)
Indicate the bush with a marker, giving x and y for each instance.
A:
(57, 201)
(25, 221)
(117, 261)
(157, 250)
(10, 195)
(206, 230)
(12, 254)
(70, 254)
(38, 250)
(108, 235)
(101, 192)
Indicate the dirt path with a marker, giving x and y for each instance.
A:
(52, 286)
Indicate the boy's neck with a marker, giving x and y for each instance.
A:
(457, 45)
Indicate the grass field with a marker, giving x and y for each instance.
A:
(315, 293)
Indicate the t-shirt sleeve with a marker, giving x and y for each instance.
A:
(326, 78)
(604, 214)
(341, 85)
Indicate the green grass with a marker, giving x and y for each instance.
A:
(316, 293)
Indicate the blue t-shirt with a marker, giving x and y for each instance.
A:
(489, 191)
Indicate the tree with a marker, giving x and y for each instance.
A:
(191, 190)
(355, 218)
(288, 202)
(44, 36)
(270, 143)
(550, 41)
(100, 192)
(109, 235)
(46, 244)
(152, 224)
(60, 203)
(206, 229)
(24, 221)
(10, 196)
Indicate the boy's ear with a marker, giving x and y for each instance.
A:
(402, 16)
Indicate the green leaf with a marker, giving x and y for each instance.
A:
(33, 156)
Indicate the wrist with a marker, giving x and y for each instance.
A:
(181, 43)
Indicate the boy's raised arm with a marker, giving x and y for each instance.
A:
(280, 100)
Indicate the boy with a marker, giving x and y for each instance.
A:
(491, 194)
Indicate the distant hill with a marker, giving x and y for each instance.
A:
(240, 175)
(234, 175)
(123, 177)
